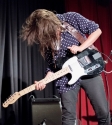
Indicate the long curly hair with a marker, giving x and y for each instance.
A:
(41, 27)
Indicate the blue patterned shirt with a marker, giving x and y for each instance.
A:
(84, 26)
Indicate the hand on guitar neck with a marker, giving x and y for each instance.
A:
(41, 84)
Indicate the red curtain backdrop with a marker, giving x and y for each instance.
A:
(99, 11)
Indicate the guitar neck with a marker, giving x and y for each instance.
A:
(46, 80)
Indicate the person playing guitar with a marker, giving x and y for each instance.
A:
(47, 29)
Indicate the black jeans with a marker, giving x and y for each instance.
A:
(95, 91)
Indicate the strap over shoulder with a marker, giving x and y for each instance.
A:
(75, 33)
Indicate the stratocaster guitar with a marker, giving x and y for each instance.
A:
(85, 64)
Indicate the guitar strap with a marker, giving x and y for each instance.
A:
(76, 34)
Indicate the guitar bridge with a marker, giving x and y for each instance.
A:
(92, 68)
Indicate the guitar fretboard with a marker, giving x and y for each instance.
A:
(46, 80)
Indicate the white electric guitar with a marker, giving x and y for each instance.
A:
(85, 64)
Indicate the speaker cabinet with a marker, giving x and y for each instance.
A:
(46, 111)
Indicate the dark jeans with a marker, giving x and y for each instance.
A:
(95, 91)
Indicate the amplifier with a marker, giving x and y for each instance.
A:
(46, 111)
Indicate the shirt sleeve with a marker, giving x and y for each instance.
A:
(81, 23)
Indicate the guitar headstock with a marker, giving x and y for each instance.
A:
(11, 99)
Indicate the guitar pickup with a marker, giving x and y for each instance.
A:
(84, 61)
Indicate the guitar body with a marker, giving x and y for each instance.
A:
(88, 63)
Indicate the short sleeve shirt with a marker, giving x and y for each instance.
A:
(84, 26)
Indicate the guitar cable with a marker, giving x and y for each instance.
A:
(106, 61)
(105, 72)
(108, 93)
